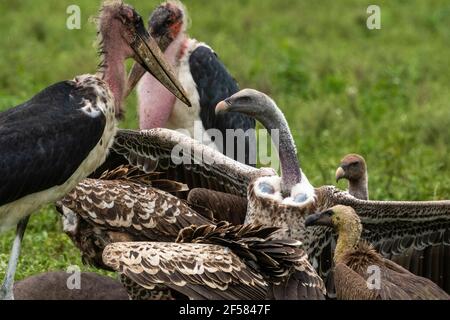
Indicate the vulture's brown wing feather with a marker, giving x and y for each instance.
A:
(158, 293)
(130, 173)
(387, 279)
(300, 284)
(133, 208)
(415, 234)
(282, 263)
(394, 226)
(209, 271)
(405, 283)
(350, 285)
(224, 206)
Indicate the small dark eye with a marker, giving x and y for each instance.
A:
(243, 101)
(138, 20)
(329, 212)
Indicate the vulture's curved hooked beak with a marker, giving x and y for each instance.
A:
(320, 219)
(340, 174)
(223, 106)
(151, 59)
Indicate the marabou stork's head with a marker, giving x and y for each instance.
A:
(122, 31)
(167, 23)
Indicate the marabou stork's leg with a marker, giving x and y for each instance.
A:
(6, 291)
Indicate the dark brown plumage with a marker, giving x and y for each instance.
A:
(428, 261)
(361, 272)
(53, 286)
(125, 204)
(155, 293)
(223, 206)
(151, 179)
(122, 205)
(111, 201)
(101, 211)
(221, 262)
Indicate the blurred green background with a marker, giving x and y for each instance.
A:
(381, 93)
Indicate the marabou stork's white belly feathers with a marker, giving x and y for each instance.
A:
(188, 119)
(12, 212)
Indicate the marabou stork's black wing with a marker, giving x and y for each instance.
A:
(44, 140)
(214, 84)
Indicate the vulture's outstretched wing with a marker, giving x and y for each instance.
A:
(200, 271)
(182, 159)
(415, 234)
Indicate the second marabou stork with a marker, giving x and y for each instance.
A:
(206, 80)
(57, 138)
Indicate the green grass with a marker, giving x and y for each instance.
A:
(384, 93)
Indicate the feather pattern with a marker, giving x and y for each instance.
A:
(130, 207)
(182, 159)
(36, 166)
(225, 258)
(177, 265)
(393, 227)
(157, 293)
(395, 283)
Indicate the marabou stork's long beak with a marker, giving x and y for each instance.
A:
(152, 60)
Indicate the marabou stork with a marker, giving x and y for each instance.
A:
(53, 141)
(206, 80)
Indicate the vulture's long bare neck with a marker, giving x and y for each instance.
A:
(347, 240)
(359, 188)
(275, 122)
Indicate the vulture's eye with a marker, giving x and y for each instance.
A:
(245, 100)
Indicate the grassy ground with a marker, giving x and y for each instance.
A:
(344, 89)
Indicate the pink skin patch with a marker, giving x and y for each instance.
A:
(154, 100)
(155, 103)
